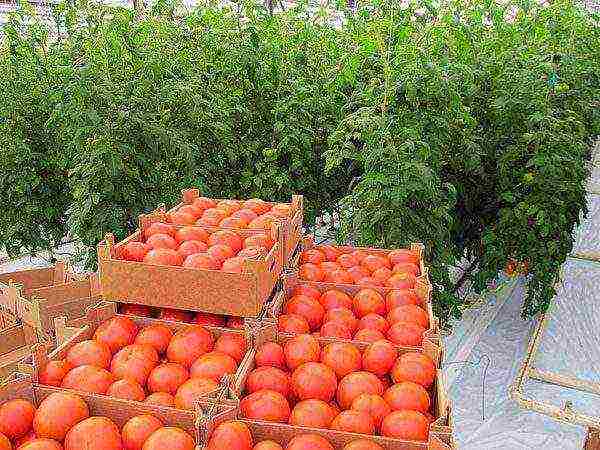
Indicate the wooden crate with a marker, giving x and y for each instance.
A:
(237, 294)
(21, 386)
(100, 313)
(291, 228)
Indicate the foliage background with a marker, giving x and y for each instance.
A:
(466, 126)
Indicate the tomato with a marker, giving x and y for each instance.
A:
(415, 367)
(192, 210)
(358, 273)
(314, 381)
(236, 323)
(57, 414)
(253, 252)
(374, 405)
(135, 251)
(189, 344)
(212, 217)
(408, 313)
(367, 301)
(311, 272)
(137, 430)
(136, 310)
(232, 344)
(167, 377)
(268, 445)
(202, 261)
(355, 384)
(313, 256)
(411, 269)
(5, 443)
(331, 253)
(269, 378)
(16, 418)
(228, 238)
(344, 316)
(233, 222)
(362, 444)
(347, 260)
(406, 334)
(293, 324)
(156, 335)
(266, 405)
(382, 274)
(301, 349)
(116, 332)
(257, 205)
(86, 435)
(401, 281)
(231, 435)
(246, 214)
(163, 257)
(334, 329)
(302, 289)
(171, 438)
(188, 248)
(183, 218)
(270, 354)
(213, 365)
(220, 253)
(403, 256)
(374, 262)
(367, 335)
(134, 362)
(407, 395)
(234, 265)
(191, 233)
(339, 276)
(352, 421)
(342, 357)
(159, 228)
(379, 357)
(406, 425)
(306, 307)
(161, 241)
(126, 389)
(312, 413)
(176, 315)
(53, 373)
(368, 281)
(193, 390)
(373, 321)
(88, 379)
(399, 297)
(204, 203)
(39, 444)
(264, 222)
(89, 352)
(334, 298)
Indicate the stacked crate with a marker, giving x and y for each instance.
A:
(247, 303)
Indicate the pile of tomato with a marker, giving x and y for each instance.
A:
(366, 316)
(153, 364)
(63, 421)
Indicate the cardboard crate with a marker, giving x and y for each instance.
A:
(21, 386)
(36, 297)
(97, 315)
(212, 291)
(308, 243)
(440, 437)
(291, 228)
(421, 289)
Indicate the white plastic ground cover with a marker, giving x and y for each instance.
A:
(492, 420)
(569, 342)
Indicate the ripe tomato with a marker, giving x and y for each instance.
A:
(266, 405)
(379, 357)
(228, 238)
(342, 357)
(192, 390)
(57, 414)
(313, 256)
(233, 222)
(126, 389)
(137, 430)
(412, 269)
(161, 241)
(334, 329)
(302, 289)
(90, 352)
(160, 399)
(88, 379)
(368, 335)
(183, 218)
(189, 344)
(134, 362)
(232, 344)
(374, 262)
(270, 354)
(309, 442)
(204, 203)
(374, 405)
(408, 313)
(160, 228)
(312, 413)
(192, 210)
(270, 378)
(401, 280)
(406, 425)
(171, 438)
(16, 418)
(311, 272)
(362, 444)
(246, 214)
(135, 251)
(167, 377)
(347, 260)
(259, 240)
(403, 256)
(406, 334)
(191, 233)
(355, 384)
(331, 253)
(293, 324)
(156, 335)
(85, 435)
(220, 253)
(367, 301)
(163, 257)
(54, 372)
(314, 381)
(301, 349)
(399, 297)
(344, 316)
(213, 365)
(306, 307)
(374, 321)
(231, 435)
(415, 367)
(257, 205)
(335, 298)
(338, 276)
(382, 274)
(358, 273)
(176, 315)
(352, 421)
(188, 248)
(407, 395)
(116, 332)
(202, 261)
